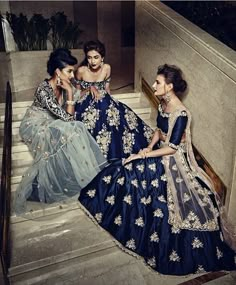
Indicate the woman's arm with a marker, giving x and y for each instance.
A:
(155, 139)
(47, 99)
(175, 139)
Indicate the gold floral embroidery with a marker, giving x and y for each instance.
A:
(154, 237)
(129, 166)
(152, 166)
(200, 269)
(196, 243)
(158, 213)
(175, 230)
(91, 193)
(113, 116)
(186, 197)
(219, 253)
(121, 180)
(118, 220)
(128, 199)
(89, 117)
(98, 217)
(174, 167)
(128, 141)
(155, 183)
(107, 179)
(163, 177)
(161, 198)
(152, 261)
(110, 199)
(174, 256)
(103, 140)
(146, 201)
(131, 244)
(134, 182)
(144, 184)
(139, 222)
(131, 119)
(179, 180)
(148, 133)
(140, 168)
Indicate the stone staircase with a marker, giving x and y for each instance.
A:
(59, 236)
(59, 244)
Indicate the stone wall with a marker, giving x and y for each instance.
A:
(46, 8)
(25, 70)
(163, 36)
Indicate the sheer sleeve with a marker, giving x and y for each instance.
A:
(47, 100)
(178, 130)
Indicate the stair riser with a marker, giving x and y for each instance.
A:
(62, 236)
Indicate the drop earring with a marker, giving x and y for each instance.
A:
(167, 97)
(58, 80)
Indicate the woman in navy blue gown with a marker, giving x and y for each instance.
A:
(116, 128)
(160, 205)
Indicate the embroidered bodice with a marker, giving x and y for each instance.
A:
(46, 100)
(100, 85)
(178, 129)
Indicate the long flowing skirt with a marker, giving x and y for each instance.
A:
(130, 202)
(65, 159)
(116, 128)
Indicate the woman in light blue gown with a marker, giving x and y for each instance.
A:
(66, 157)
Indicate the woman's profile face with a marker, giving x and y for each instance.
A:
(160, 86)
(67, 73)
(94, 59)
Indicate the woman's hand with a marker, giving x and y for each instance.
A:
(144, 151)
(65, 84)
(95, 93)
(132, 157)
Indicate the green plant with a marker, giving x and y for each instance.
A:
(33, 34)
(29, 35)
(64, 33)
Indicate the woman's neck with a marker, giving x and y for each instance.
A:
(56, 90)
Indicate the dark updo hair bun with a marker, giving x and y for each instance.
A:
(93, 45)
(60, 58)
(173, 75)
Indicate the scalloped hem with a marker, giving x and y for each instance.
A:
(126, 250)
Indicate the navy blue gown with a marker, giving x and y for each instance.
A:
(116, 128)
(131, 202)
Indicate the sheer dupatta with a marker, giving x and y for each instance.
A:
(189, 201)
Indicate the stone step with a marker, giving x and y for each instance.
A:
(53, 239)
(142, 112)
(25, 104)
(19, 108)
(105, 267)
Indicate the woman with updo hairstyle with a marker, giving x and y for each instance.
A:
(66, 157)
(160, 205)
(116, 128)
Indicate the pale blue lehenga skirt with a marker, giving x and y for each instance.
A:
(66, 159)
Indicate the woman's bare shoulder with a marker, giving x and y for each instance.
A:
(107, 69)
(107, 66)
(80, 71)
